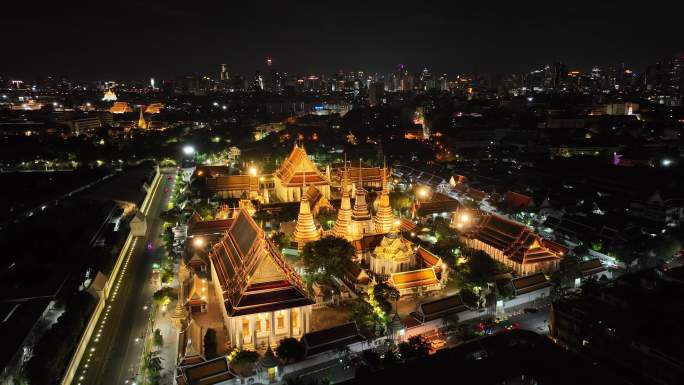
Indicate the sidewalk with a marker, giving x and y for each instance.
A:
(168, 350)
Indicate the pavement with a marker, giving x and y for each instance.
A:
(117, 342)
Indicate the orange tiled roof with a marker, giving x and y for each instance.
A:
(428, 258)
(298, 168)
(415, 278)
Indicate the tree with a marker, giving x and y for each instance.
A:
(390, 358)
(290, 350)
(153, 366)
(330, 254)
(469, 297)
(158, 338)
(210, 344)
(415, 347)
(371, 358)
(244, 361)
(384, 295)
(162, 296)
(479, 268)
(281, 239)
(450, 322)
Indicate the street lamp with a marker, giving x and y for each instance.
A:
(198, 242)
(253, 171)
(188, 150)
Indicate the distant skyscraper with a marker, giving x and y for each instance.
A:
(224, 72)
(376, 92)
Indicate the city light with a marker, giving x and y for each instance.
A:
(666, 162)
(188, 150)
(198, 242)
(253, 171)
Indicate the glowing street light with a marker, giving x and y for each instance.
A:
(253, 171)
(464, 218)
(666, 162)
(188, 150)
(423, 193)
(198, 242)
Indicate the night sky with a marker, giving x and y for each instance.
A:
(127, 39)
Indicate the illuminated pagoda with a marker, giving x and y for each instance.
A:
(263, 298)
(109, 96)
(361, 223)
(384, 218)
(288, 179)
(344, 214)
(141, 120)
(393, 255)
(305, 229)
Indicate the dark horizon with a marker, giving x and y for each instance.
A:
(135, 40)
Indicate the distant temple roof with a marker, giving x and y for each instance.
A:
(252, 273)
(590, 267)
(297, 168)
(329, 339)
(198, 227)
(428, 311)
(205, 373)
(515, 240)
(530, 283)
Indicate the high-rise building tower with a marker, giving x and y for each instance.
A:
(224, 73)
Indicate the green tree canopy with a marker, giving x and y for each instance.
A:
(290, 350)
(415, 347)
(330, 254)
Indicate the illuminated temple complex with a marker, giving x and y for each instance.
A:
(289, 179)
(515, 245)
(262, 298)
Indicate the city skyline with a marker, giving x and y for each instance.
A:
(164, 40)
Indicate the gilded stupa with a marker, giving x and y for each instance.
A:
(384, 217)
(344, 214)
(305, 231)
(361, 222)
(141, 120)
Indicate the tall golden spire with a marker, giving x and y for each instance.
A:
(344, 214)
(141, 120)
(305, 230)
(384, 217)
(361, 218)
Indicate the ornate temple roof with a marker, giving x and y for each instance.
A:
(297, 167)
(252, 273)
(428, 311)
(413, 278)
(393, 247)
(515, 240)
(530, 283)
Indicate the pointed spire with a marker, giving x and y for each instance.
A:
(384, 217)
(305, 229)
(345, 212)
